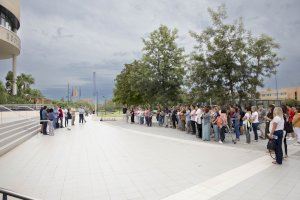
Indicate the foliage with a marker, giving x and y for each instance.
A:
(156, 78)
(228, 63)
(25, 93)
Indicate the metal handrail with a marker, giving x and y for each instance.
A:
(7, 193)
(17, 114)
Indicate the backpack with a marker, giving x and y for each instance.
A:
(219, 122)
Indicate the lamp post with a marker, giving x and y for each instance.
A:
(276, 85)
(104, 104)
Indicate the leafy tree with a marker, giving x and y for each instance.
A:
(164, 60)
(24, 81)
(228, 63)
(9, 82)
(3, 94)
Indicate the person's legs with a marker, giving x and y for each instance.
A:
(237, 131)
(222, 133)
(254, 126)
(247, 132)
(45, 128)
(199, 130)
(262, 128)
(297, 131)
(278, 147)
(285, 144)
(216, 132)
(193, 127)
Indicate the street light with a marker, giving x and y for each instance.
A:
(104, 104)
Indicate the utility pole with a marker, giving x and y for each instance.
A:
(95, 93)
(68, 93)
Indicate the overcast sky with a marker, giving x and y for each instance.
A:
(67, 40)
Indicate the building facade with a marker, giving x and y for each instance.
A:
(10, 44)
(283, 94)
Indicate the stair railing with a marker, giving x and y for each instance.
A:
(7, 193)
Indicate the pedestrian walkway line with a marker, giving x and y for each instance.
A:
(223, 182)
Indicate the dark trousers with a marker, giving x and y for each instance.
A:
(80, 118)
(278, 146)
(199, 128)
(285, 144)
(222, 133)
(193, 124)
(61, 122)
(255, 128)
(66, 121)
(45, 128)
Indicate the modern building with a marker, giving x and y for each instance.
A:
(10, 44)
(283, 94)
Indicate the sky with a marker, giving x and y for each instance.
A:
(66, 41)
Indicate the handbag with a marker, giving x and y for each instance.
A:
(271, 145)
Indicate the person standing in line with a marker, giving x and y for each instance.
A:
(242, 114)
(290, 130)
(81, 114)
(206, 125)
(193, 119)
(262, 113)
(55, 121)
(142, 117)
(269, 118)
(286, 129)
(60, 116)
(66, 117)
(51, 117)
(296, 124)
(174, 118)
(132, 115)
(222, 124)
(73, 114)
(150, 117)
(255, 122)
(182, 118)
(178, 117)
(69, 117)
(214, 120)
(199, 114)
(41, 117)
(276, 132)
(45, 118)
(247, 125)
(236, 123)
(188, 119)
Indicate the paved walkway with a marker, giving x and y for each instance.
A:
(118, 161)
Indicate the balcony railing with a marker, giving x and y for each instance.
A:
(7, 193)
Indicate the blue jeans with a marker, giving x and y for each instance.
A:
(237, 130)
(216, 132)
(278, 146)
(255, 128)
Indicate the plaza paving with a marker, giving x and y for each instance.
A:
(115, 160)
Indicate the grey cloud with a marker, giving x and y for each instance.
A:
(65, 41)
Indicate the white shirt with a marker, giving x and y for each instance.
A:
(246, 118)
(280, 123)
(199, 114)
(254, 117)
(193, 115)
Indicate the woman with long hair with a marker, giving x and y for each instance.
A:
(276, 132)
(286, 128)
(206, 125)
(255, 122)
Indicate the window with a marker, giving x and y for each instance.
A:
(5, 22)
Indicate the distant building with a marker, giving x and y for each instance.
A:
(10, 43)
(283, 93)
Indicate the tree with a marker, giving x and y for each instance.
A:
(164, 60)
(129, 85)
(228, 63)
(3, 94)
(156, 78)
(9, 82)
(24, 82)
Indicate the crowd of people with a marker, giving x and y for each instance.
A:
(52, 118)
(213, 122)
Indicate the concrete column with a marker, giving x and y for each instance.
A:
(14, 70)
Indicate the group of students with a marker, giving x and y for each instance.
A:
(57, 117)
(208, 122)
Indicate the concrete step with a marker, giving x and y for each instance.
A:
(18, 134)
(6, 148)
(15, 124)
(17, 128)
